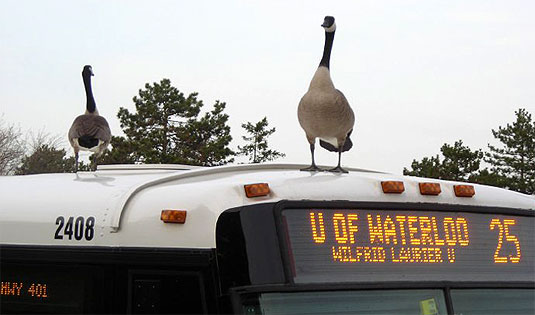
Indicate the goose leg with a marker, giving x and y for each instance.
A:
(338, 168)
(76, 161)
(95, 162)
(312, 167)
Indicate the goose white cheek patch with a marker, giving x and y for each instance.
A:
(331, 29)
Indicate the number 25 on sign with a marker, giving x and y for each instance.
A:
(503, 234)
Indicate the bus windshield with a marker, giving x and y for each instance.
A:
(424, 302)
(369, 258)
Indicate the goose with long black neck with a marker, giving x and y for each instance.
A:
(90, 131)
(323, 111)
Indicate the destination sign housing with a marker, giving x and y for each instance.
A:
(344, 245)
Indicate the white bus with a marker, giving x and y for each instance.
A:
(262, 239)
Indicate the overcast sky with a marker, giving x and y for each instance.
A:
(418, 74)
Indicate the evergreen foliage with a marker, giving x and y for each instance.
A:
(48, 159)
(166, 128)
(122, 153)
(459, 163)
(257, 149)
(45, 159)
(513, 163)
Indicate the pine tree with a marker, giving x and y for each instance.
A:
(206, 140)
(257, 148)
(514, 161)
(459, 163)
(428, 167)
(122, 152)
(48, 159)
(166, 128)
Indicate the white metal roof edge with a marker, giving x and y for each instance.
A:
(123, 201)
(136, 167)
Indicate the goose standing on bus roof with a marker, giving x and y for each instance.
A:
(90, 131)
(324, 112)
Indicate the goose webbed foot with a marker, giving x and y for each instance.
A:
(337, 169)
(311, 168)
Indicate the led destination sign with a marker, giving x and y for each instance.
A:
(329, 245)
(43, 288)
(36, 290)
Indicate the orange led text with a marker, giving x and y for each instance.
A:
(504, 234)
(36, 290)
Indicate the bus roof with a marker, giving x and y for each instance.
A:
(126, 200)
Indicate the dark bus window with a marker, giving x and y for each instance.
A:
(349, 302)
(41, 288)
(166, 293)
(493, 301)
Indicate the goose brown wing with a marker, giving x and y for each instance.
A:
(92, 126)
(103, 131)
(348, 115)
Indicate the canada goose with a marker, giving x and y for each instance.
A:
(90, 131)
(323, 111)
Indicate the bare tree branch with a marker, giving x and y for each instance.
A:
(12, 148)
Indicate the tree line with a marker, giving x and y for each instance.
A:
(511, 164)
(166, 127)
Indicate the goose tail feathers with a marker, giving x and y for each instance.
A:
(88, 141)
(348, 144)
(327, 146)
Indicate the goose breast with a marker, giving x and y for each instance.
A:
(325, 114)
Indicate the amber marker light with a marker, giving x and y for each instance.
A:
(256, 190)
(173, 216)
(464, 190)
(432, 189)
(393, 187)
